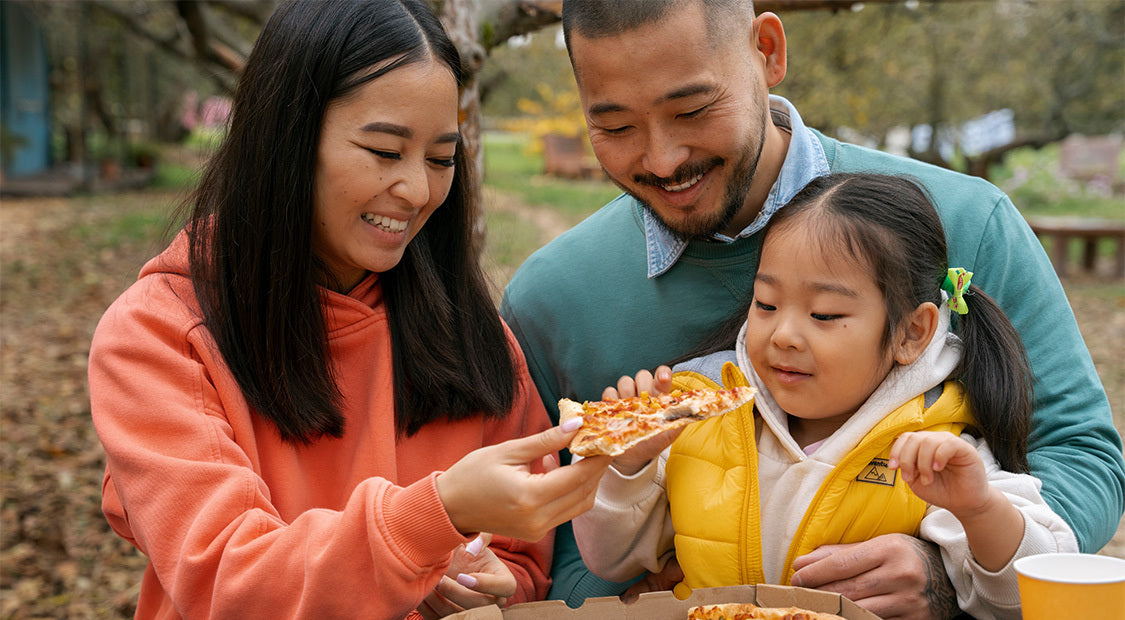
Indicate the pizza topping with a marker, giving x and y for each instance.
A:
(612, 426)
(748, 611)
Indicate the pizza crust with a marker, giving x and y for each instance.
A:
(749, 611)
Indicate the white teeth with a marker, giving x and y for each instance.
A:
(384, 222)
(682, 186)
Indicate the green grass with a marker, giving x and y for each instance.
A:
(1032, 179)
(174, 176)
(139, 218)
(509, 240)
(509, 166)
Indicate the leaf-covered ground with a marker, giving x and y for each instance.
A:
(61, 263)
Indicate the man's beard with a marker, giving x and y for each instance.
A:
(706, 223)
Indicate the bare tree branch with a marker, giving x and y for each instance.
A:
(256, 11)
(504, 19)
(177, 43)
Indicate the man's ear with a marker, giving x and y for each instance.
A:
(915, 332)
(769, 39)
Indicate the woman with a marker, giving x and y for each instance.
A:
(308, 403)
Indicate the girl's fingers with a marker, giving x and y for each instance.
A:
(905, 452)
(662, 381)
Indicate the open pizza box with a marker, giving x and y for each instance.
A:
(664, 606)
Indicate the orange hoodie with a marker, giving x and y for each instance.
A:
(239, 524)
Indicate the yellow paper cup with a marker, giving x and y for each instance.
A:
(1071, 585)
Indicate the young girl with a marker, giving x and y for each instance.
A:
(873, 416)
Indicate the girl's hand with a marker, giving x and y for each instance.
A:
(645, 381)
(635, 459)
(475, 578)
(942, 469)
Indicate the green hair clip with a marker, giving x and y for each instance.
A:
(956, 283)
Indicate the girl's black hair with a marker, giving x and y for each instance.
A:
(890, 223)
(250, 230)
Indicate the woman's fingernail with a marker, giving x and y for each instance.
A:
(571, 424)
(467, 580)
(475, 546)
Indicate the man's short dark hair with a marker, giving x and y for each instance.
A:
(603, 18)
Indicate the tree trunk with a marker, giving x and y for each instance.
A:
(461, 21)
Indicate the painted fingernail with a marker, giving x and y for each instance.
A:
(467, 580)
(475, 546)
(571, 424)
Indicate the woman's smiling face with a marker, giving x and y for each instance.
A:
(384, 164)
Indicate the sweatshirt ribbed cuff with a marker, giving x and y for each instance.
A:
(417, 522)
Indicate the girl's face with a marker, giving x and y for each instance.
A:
(815, 329)
(384, 164)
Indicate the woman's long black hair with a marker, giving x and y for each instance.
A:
(254, 271)
(889, 223)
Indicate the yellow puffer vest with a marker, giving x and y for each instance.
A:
(712, 478)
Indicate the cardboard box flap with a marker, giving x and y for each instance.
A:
(665, 606)
(781, 596)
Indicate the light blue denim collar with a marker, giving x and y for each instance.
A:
(804, 162)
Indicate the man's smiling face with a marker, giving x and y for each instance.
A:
(677, 117)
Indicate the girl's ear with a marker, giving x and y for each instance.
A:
(915, 333)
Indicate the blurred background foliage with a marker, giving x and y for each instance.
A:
(121, 69)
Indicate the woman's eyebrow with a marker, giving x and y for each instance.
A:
(406, 132)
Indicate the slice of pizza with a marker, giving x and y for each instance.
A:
(748, 611)
(613, 426)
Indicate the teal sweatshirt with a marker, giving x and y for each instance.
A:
(585, 313)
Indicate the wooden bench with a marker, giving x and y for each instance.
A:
(566, 156)
(1060, 230)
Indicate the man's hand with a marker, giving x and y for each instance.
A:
(893, 576)
(655, 582)
(475, 578)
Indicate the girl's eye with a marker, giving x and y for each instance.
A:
(764, 307)
(825, 317)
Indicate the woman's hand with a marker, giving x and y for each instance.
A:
(476, 578)
(503, 489)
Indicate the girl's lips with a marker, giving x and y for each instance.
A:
(789, 375)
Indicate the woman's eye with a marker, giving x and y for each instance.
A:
(764, 307)
(444, 162)
(386, 154)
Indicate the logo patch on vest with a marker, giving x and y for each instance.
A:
(877, 472)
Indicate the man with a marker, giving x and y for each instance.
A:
(676, 97)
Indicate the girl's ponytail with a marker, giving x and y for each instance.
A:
(997, 377)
